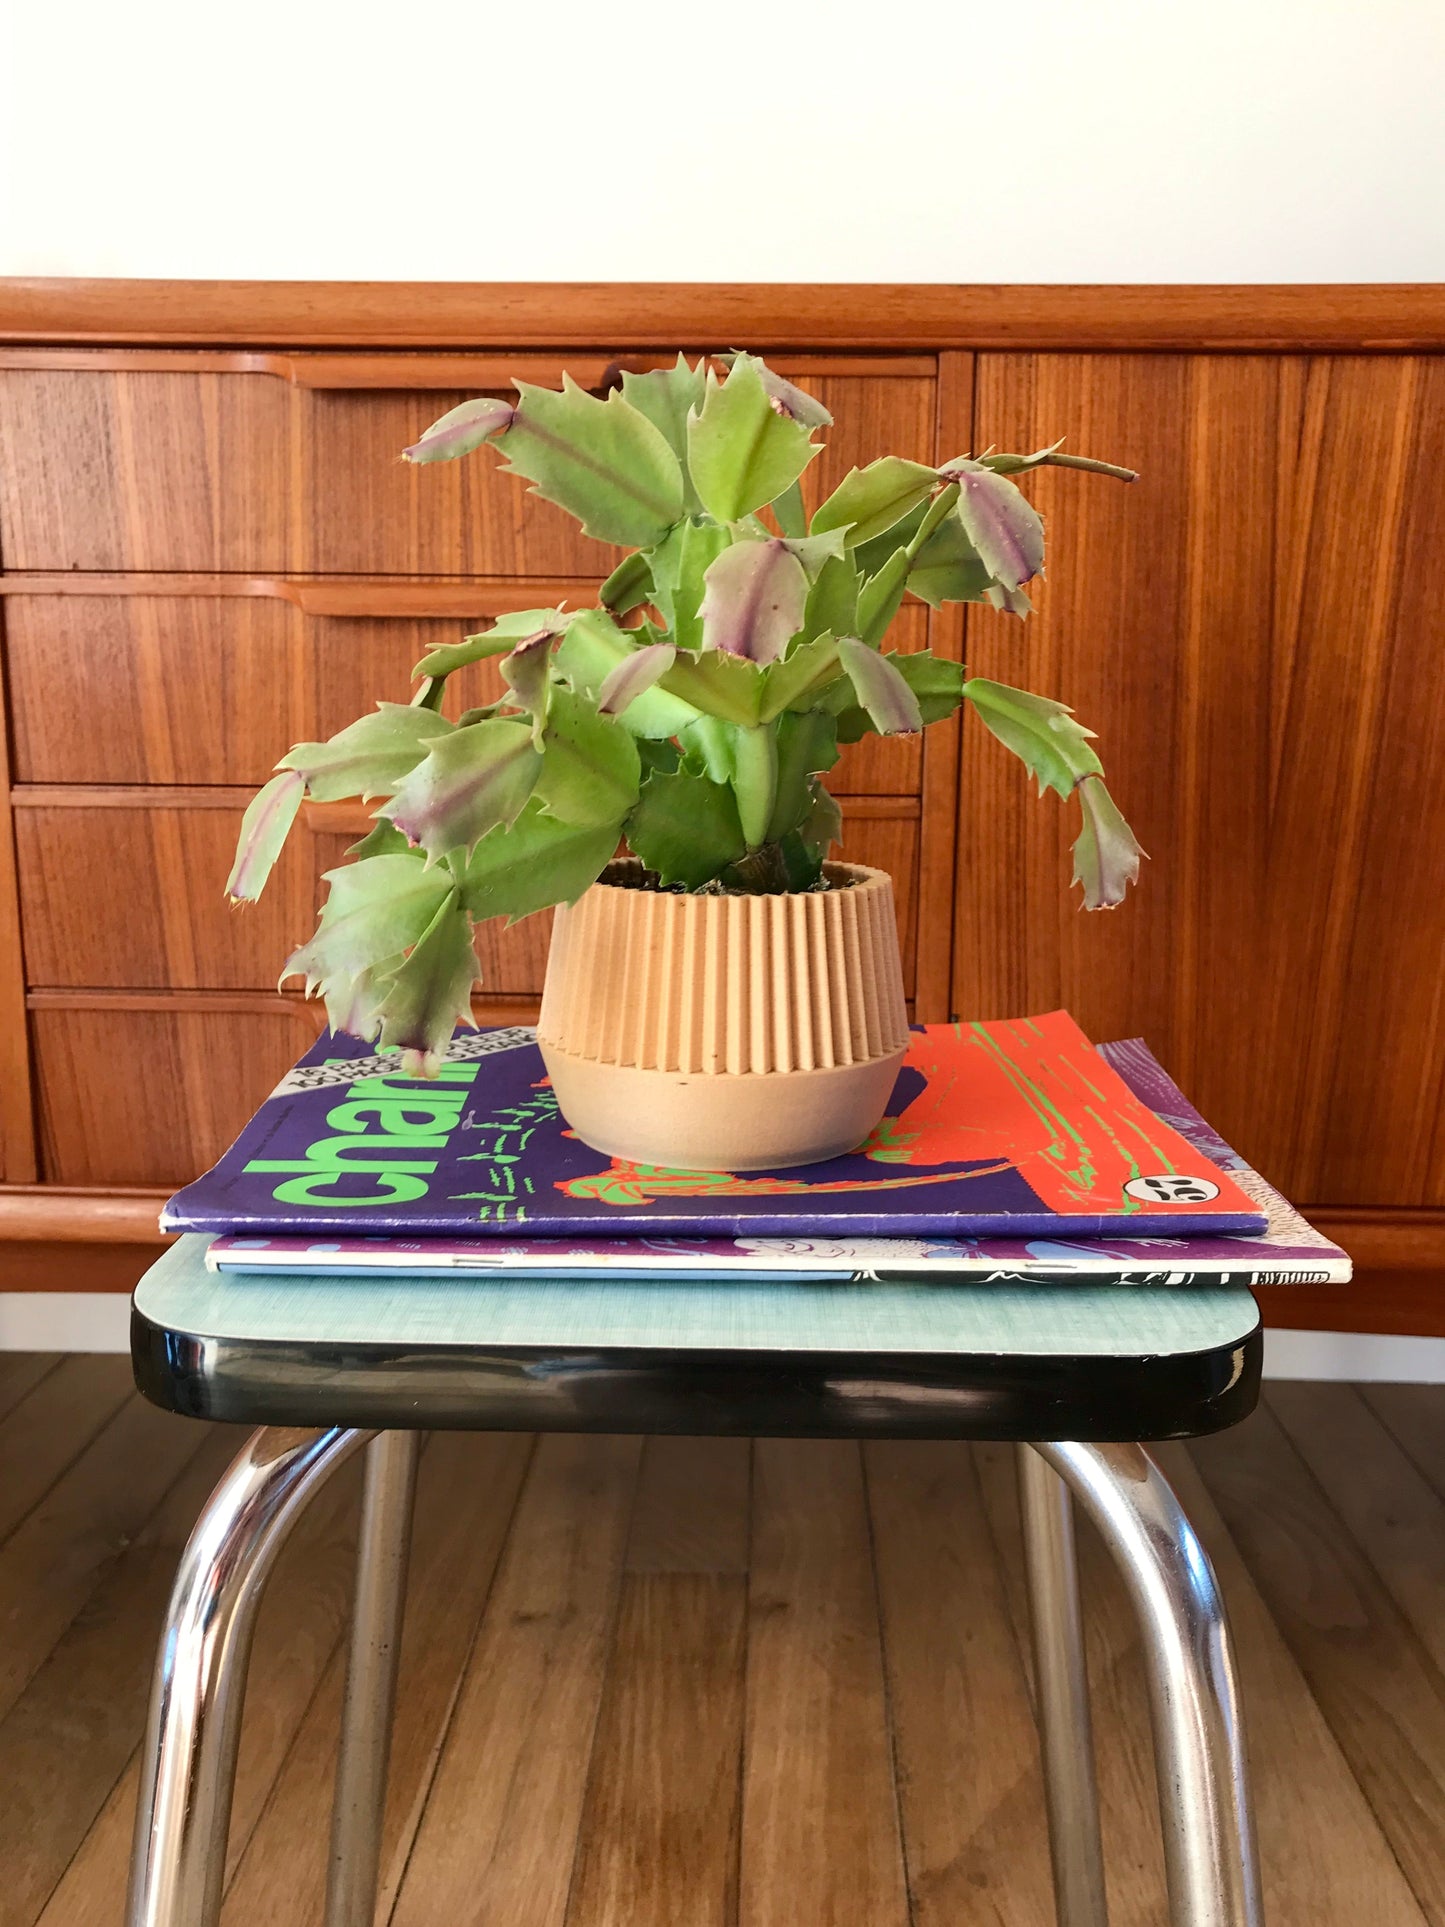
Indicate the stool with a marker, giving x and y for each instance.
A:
(1079, 1374)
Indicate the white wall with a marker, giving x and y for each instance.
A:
(942, 140)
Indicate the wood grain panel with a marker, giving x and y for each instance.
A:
(1373, 1680)
(888, 841)
(819, 1813)
(18, 1163)
(105, 468)
(128, 893)
(1233, 629)
(1382, 317)
(212, 686)
(153, 1097)
(942, 740)
(146, 471)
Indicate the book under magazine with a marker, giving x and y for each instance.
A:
(1014, 1129)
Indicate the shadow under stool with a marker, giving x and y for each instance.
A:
(1078, 1374)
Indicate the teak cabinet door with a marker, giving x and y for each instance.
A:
(127, 893)
(206, 680)
(175, 461)
(1255, 630)
(153, 1096)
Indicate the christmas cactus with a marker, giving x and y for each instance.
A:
(692, 713)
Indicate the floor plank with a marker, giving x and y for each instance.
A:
(1415, 1416)
(69, 1736)
(659, 1837)
(819, 1811)
(496, 1840)
(297, 1629)
(1381, 1694)
(1323, 1854)
(455, 1550)
(55, 1559)
(20, 1373)
(50, 1426)
(969, 1780)
(699, 1683)
(1391, 1509)
(1133, 1855)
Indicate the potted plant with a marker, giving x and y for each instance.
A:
(721, 995)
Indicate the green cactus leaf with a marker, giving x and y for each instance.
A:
(755, 781)
(431, 992)
(881, 688)
(796, 682)
(807, 746)
(679, 567)
(870, 501)
(472, 780)
(504, 635)
(1041, 732)
(383, 839)
(602, 461)
(590, 770)
(535, 862)
(375, 910)
(881, 597)
(667, 396)
(792, 515)
(686, 828)
(719, 685)
(370, 756)
(948, 568)
(589, 653)
(742, 451)
(629, 584)
(264, 829)
(1048, 739)
(833, 600)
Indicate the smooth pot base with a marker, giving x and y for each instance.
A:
(696, 1120)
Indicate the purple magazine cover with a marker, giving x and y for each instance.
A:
(1013, 1128)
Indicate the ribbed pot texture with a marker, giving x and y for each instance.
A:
(725, 1033)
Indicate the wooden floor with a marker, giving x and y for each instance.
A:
(698, 1682)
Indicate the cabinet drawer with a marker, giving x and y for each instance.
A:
(142, 459)
(209, 680)
(153, 1097)
(126, 893)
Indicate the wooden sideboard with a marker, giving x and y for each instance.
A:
(209, 550)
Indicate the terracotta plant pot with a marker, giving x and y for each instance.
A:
(725, 1033)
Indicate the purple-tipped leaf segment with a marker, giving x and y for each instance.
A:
(462, 429)
(633, 677)
(755, 595)
(264, 828)
(473, 779)
(1106, 854)
(1001, 523)
(881, 690)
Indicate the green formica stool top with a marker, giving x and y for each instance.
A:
(929, 1357)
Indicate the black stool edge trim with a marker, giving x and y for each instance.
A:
(1094, 1399)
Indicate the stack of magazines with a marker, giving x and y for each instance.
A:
(1013, 1150)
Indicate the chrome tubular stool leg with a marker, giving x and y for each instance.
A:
(188, 1763)
(1209, 1849)
(381, 1561)
(1061, 1688)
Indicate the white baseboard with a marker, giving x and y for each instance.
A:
(1368, 1357)
(99, 1321)
(64, 1321)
